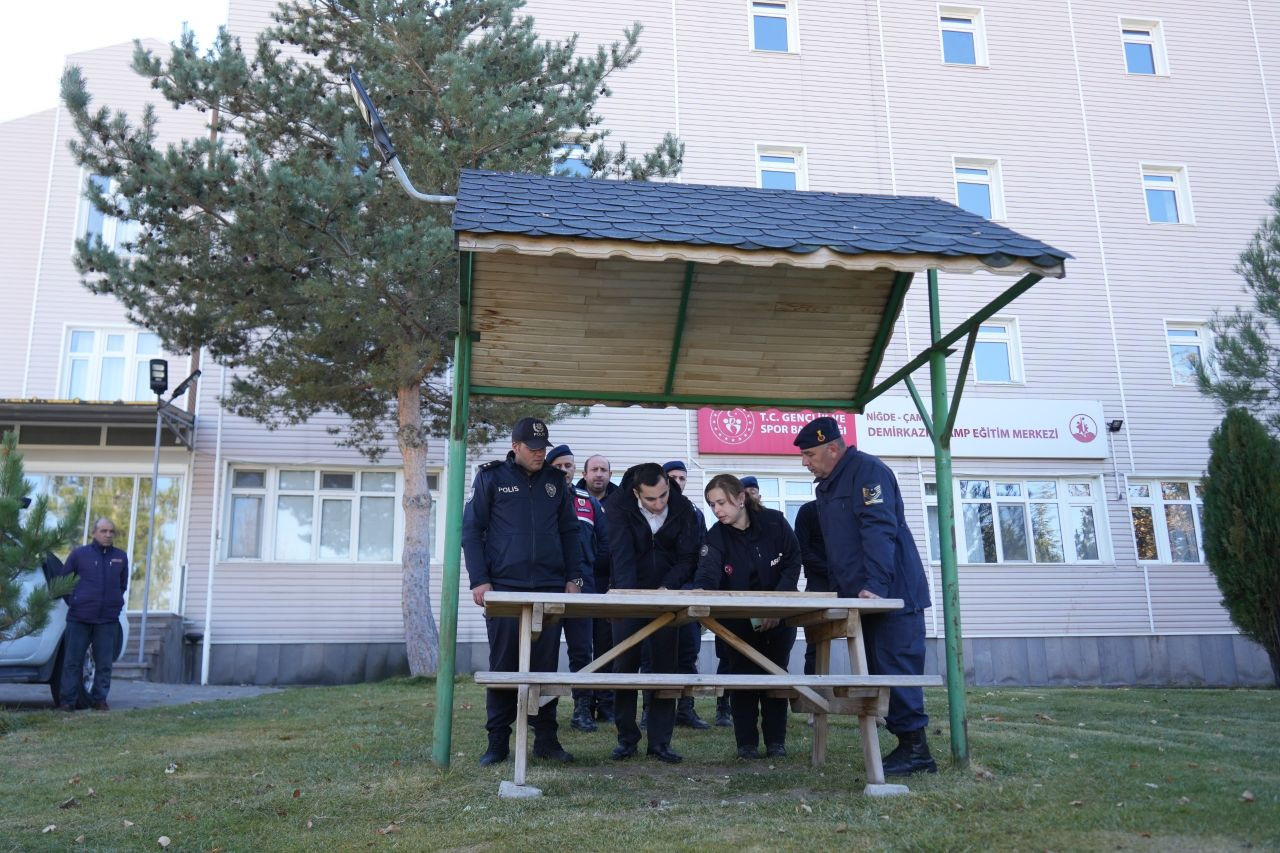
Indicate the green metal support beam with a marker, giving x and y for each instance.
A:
(640, 397)
(892, 308)
(924, 413)
(679, 335)
(456, 490)
(965, 360)
(943, 344)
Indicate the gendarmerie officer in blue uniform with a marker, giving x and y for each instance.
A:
(520, 533)
(871, 554)
(752, 549)
(595, 550)
(813, 554)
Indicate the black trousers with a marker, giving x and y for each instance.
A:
(775, 644)
(504, 656)
(662, 658)
(687, 647)
(578, 637)
(895, 646)
(601, 642)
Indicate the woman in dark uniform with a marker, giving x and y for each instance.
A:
(752, 549)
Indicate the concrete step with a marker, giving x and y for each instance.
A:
(130, 669)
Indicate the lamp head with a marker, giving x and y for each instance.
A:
(1115, 424)
(184, 385)
(381, 139)
(159, 369)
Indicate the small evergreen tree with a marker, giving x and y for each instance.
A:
(1246, 370)
(1242, 527)
(24, 543)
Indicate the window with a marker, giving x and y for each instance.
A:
(108, 364)
(781, 168)
(978, 186)
(964, 40)
(311, 515)
(1167, 192)
(1168, 520)
(1188, 349)
(997, 355)
(1010, 520)
(570, 161)
(93, 224)
(773, 26)
(1144, 47)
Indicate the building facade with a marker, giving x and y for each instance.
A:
(1142, 140)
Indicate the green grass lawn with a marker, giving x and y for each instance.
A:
(350, 767)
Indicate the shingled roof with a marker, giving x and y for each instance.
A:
(739, 218)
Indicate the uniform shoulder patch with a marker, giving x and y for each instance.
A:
(872, 495)
(491, 465)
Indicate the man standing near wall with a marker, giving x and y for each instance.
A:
(93, 615)
(871, 554)
(520, 533)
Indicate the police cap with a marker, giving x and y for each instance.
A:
(817, 432)
(673, 465)
(532, 432)
(749, 482)
(556, 452)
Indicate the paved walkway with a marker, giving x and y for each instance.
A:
(126, 695)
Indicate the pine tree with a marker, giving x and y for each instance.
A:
(285, 247)
(24, 543)
(1242, 527)
(1246, 369)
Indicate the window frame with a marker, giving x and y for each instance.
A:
(1154, 38)
(995, 181)
(271, 491)
(117, 230)
(1064, 502)
(566, 148)
(791, 15)
(132, 358)
(778, 149)
(1203, 340)
(1181, 191)
(1012, 338)
(1158, 504)
(977, 28)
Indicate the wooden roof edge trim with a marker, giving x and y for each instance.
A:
(626, 249)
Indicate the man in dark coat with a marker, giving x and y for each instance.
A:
(813, 553)
(595, 481)
(654, 538)
(520, 533)
(93, 615)
(871, 554)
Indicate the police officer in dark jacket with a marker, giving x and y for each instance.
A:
(595, 548)
(813, 554)
(752, 549)
(93, 615)
(519, 533)
(654, 539)
(871, 554)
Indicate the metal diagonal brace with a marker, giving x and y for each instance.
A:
(679, 333)
(892, 308)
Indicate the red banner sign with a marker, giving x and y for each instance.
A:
(764, 433)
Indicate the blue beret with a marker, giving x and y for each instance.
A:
(817, 432)
(558, 451)
(749, 482)
(673, 465)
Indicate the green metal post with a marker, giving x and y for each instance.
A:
(456, 490)
(947, 534)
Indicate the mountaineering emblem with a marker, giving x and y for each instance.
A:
(551, 490)
(872, 495)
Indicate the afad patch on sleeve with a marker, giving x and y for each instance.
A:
(872, 495)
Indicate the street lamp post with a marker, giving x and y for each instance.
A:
(159, 372)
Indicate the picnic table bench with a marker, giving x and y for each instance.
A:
(823, 616)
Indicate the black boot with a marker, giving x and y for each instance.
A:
(604, 706)
(687, 715)
(911, 756)
(498, 749)
(724, 714)
(549, 747)
(581, 719)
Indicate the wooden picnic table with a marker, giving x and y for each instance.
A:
(823, 616)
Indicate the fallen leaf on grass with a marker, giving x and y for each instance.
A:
(992, 718)
(1077, 802)
(50, 828)
(388, 829)
(92, 793)
(1045, 717)
(172, 768)
(1073, 755)
(805, 808)
(309, 823)
(69, 803)
(466, 706)
(1151, 784)
(286, 737)
(163, 841)
(128, 823)
(74, 780)
(842, 827)
(297, 792)
(1247, 797)
(1184, 800)
(79, 839)
(1145, 834)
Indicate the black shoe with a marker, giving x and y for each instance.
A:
(581, 719)
(687, 715)
(724, 715)
(663, 753)
(748, 752)
(775, 750)
(911, 756)
(497, 752)
(551, 750)
(67, 708)
(604, 714)
(622, 752)
(100, 706)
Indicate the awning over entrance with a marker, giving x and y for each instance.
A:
(79, 422)
(629, 292)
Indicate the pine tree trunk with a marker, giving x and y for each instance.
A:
(421, 638)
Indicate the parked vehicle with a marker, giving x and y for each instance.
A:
(38, 658)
